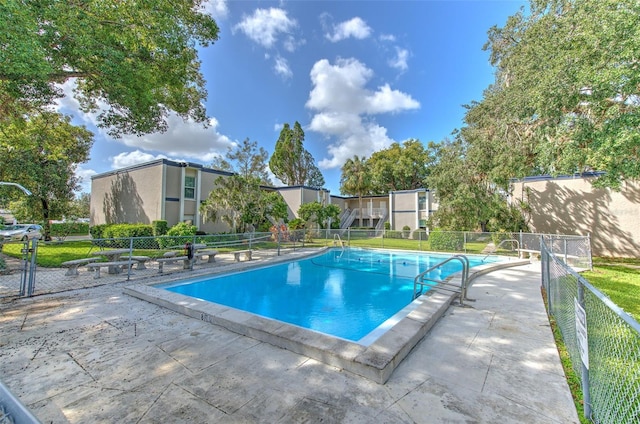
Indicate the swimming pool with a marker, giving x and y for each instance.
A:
(349, 294)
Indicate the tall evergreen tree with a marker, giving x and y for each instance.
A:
(291, 162)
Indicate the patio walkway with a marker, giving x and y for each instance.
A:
(97, 355)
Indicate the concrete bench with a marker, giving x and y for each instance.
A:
(210, 254)
(114, 267)
(171, 260)
(72, 266)
(138, 260)
(531, 252)
(245, 253)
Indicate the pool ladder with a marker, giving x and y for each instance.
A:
(337, 240)
(421, 281)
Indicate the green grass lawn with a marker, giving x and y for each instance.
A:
(620, 281)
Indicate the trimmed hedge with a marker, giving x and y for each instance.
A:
(121, 233)
(446, 240)
(69, 228)
(392, 234)
(160, 227)
(173, 239)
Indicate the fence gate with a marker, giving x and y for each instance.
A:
(17, 275)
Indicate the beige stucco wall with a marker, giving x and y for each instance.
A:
(135, 195)
(127, 196)
(294, 197)
(574, 206)
(404, 210)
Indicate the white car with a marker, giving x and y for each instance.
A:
(21, 232)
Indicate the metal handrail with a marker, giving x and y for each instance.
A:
(336, 238)
(500, 244)
(421, 279)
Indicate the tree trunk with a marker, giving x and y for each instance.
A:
(46, 224)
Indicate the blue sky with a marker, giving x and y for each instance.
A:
(357, 75)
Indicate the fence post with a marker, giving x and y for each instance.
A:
(32, 266)
(590, 256)
(586, 396)
(278, 239)
(520, 245)
(464, 238)
(130, 260)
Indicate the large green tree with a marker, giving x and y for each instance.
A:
(355, 180)
(240, 200)
(567, 92)
(323, 215)
(399, 167)
(467, 198)
(138, 58)
(249, 160)
(42, 153)
(291, 162)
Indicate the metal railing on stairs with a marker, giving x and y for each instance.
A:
(422, 281)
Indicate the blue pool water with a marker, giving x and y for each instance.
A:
(347, 293)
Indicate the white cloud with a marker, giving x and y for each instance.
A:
(400, 61)
(335, 123)
(361, 141)
(291, 43)
(186, 139)
(265, 26)
(125, 159)
(217, 9)
(386, 100)
(183, 138)
(387, 37)
(345, 107)
(338, 87)
(281, 66)
(84, 175)
(355, 27)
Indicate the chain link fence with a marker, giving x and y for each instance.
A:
(602, 340)
(86, 262)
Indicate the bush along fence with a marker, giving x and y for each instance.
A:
(603, 341)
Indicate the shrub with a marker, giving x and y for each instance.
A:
(279, 232)
(406, 230)
(97, 231)
(296, 224)
(159, 227)
(387, 225)
(393, 234)
(178, 235)
(123, 232)
(446, 240)
(66, 228)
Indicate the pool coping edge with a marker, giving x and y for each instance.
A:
(375, 362)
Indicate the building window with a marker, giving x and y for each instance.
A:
(189, 187)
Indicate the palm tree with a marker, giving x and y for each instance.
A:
(355, 179)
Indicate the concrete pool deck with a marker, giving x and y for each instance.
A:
(99, 355)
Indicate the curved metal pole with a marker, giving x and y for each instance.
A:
(27, 192)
